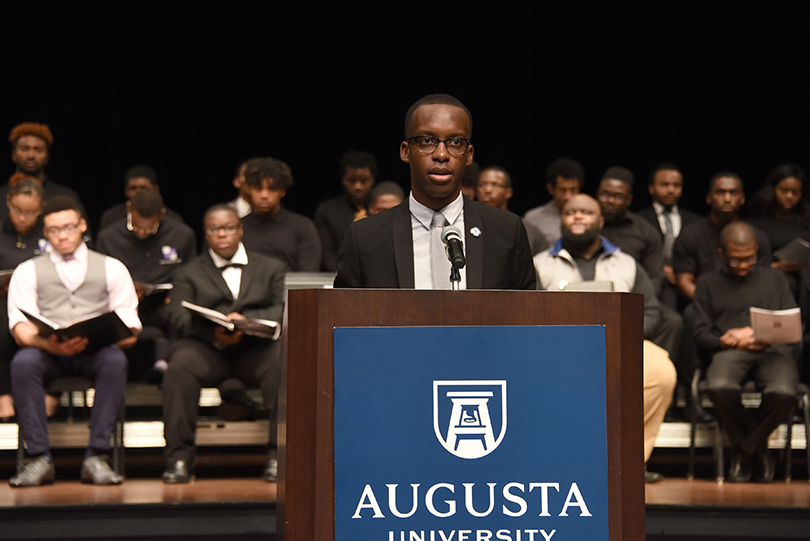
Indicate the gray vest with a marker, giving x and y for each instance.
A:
(61, 306)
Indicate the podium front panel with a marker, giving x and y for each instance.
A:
(470, 432)
(306, 486)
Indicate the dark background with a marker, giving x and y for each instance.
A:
(194, 88)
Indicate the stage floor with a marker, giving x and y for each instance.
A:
(230, 501)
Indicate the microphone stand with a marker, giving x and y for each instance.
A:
(455, 277)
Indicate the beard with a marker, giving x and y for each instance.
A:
(611, 217)
(579, 242)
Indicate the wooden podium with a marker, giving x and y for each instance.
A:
(306, 484)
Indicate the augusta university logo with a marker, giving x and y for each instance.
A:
(469, 417)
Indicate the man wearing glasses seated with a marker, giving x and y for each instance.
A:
(153, 246)
(240, 284)
(723, 332)
(402, 248)
(69, 283)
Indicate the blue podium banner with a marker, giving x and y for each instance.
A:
(470, 434)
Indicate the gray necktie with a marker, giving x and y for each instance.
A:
(669, 236)
(670, 232)
(439, 264)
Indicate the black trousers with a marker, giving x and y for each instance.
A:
(193, 365)
(776, 376)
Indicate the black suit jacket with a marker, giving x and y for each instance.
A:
(261, 294)
(377, 252)
(687, 217)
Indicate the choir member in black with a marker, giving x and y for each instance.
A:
(153, 246)
(21, 239)
(136, 179)
(272, 230)
(358, 172)
(782, 212)
(30, 152)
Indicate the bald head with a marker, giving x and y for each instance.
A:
(738, 233)
(583, 201)
(739, 249)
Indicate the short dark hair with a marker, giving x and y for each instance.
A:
(386, 187)
(436, 99)
(722, 174)
(663, 167)
(238, 167)
(259, 169)
(565, 168)
(357, 159)
(621, 174)
(147, 203)
(499, 169)
(60, 203)
(141, 171)
(217, 208)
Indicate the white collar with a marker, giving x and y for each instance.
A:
(659, 208)
(425, 215)
(239, 257)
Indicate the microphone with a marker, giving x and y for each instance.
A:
(453, 246)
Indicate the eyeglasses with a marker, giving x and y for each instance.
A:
(735, 262)
(55, 231)
(428, 144)
(618, 197)
(228, 229)
(141, 230)
(19, 212)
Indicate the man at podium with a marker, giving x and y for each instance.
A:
(403, 247)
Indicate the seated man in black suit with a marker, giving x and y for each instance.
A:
(723, 331)
(402, 247)
(668, 219)
(239, 284)
(358, 172)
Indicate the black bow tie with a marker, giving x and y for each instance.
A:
(231, 266)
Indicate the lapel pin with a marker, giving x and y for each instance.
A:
(475, 232)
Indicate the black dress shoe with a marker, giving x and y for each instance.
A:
(652, 477)
(177, 472)
(763, 466)
(740, 469)
(239, 406)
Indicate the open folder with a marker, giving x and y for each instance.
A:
(263, 328)
(777, 326)
(100, 331)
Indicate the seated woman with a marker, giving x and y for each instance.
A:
(781, 211)
(20, 239)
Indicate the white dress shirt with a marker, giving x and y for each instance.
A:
(674, 216)
(231, 275)
(72, 270)
(421, 216)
